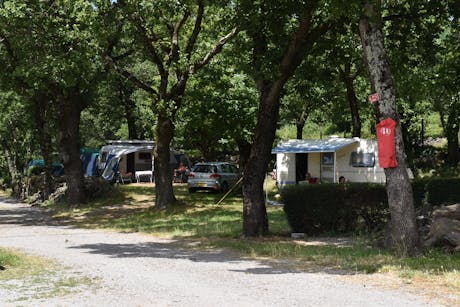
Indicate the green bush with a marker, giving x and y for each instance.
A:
(340, 208)
(443, 191)
(314, 209)
(419, 191)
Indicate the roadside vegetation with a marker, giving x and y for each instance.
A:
(199, 223)
(26, 277)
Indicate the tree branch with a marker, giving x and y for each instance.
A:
(174, 53)
(217, 48)
(139, 83)
(196, 30)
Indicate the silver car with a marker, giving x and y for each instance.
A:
(214, 176)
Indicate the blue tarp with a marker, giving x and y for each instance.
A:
(88, 161)
(303, 146)
(57, 167)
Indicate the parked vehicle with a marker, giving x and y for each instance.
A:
(214, 176)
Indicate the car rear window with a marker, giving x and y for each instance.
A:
(205, 169)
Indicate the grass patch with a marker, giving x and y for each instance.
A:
(26, 277)
(198, 219)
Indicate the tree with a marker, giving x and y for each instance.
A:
(219, 110)
(167, 35)
(54, 55)
(15, 137)
(404, 234)
(274, 61)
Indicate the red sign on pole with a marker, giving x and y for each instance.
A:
(374, 97)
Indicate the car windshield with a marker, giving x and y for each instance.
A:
(203, 168)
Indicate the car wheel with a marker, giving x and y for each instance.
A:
(191, 190)
(224, 187)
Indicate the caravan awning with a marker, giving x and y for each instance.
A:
(303, 146)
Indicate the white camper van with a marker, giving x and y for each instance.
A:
(327, 160)
(132, 157)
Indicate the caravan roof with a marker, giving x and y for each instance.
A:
(301, 146)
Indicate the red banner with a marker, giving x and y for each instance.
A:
(386, 143)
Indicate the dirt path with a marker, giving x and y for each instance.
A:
(138, 270)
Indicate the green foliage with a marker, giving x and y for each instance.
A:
(219, 111)
(436, 191)
(442, 191)
(314, 209)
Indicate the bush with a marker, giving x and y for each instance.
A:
(443, 191)
(340, 208)
(313, 209)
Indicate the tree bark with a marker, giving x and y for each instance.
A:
(68, 139)
(300, 124)
(348, 79)
(452, 129)
(244, 151)
(42, 112)
(164, 193)
(12, 168)
(131, 119)
(404, 235)
(255, 220)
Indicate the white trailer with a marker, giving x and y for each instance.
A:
(133, 156)
(327, 160)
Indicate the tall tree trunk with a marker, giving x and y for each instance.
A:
(12, 168)
(255, 220)
(68, 139)
(300, 124)
(42, 124)
(131, 119)
(244, 151)
(164, 193)
(348, 79)
(404, 234)
(452, 129)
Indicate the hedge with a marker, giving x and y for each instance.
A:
(314, 209)
(341, 208)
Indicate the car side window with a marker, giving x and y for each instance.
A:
(233, 169)
(225, 168)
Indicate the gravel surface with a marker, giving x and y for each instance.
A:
(141, 270)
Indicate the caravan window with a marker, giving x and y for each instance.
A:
(362, 159)
(145, 156)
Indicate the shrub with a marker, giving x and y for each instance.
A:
(419, 191)
(320, 208)
(443, 191)
(348, 207)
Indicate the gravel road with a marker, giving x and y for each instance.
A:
(140, 270)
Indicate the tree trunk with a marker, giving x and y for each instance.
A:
(452, 129)
(404, 235)
(300, 124)
(348, 79)
(164, 193)
(42, 112)
(244, 151)
(131, 120)
(255, 220)
(68, 139)
(12, 168)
